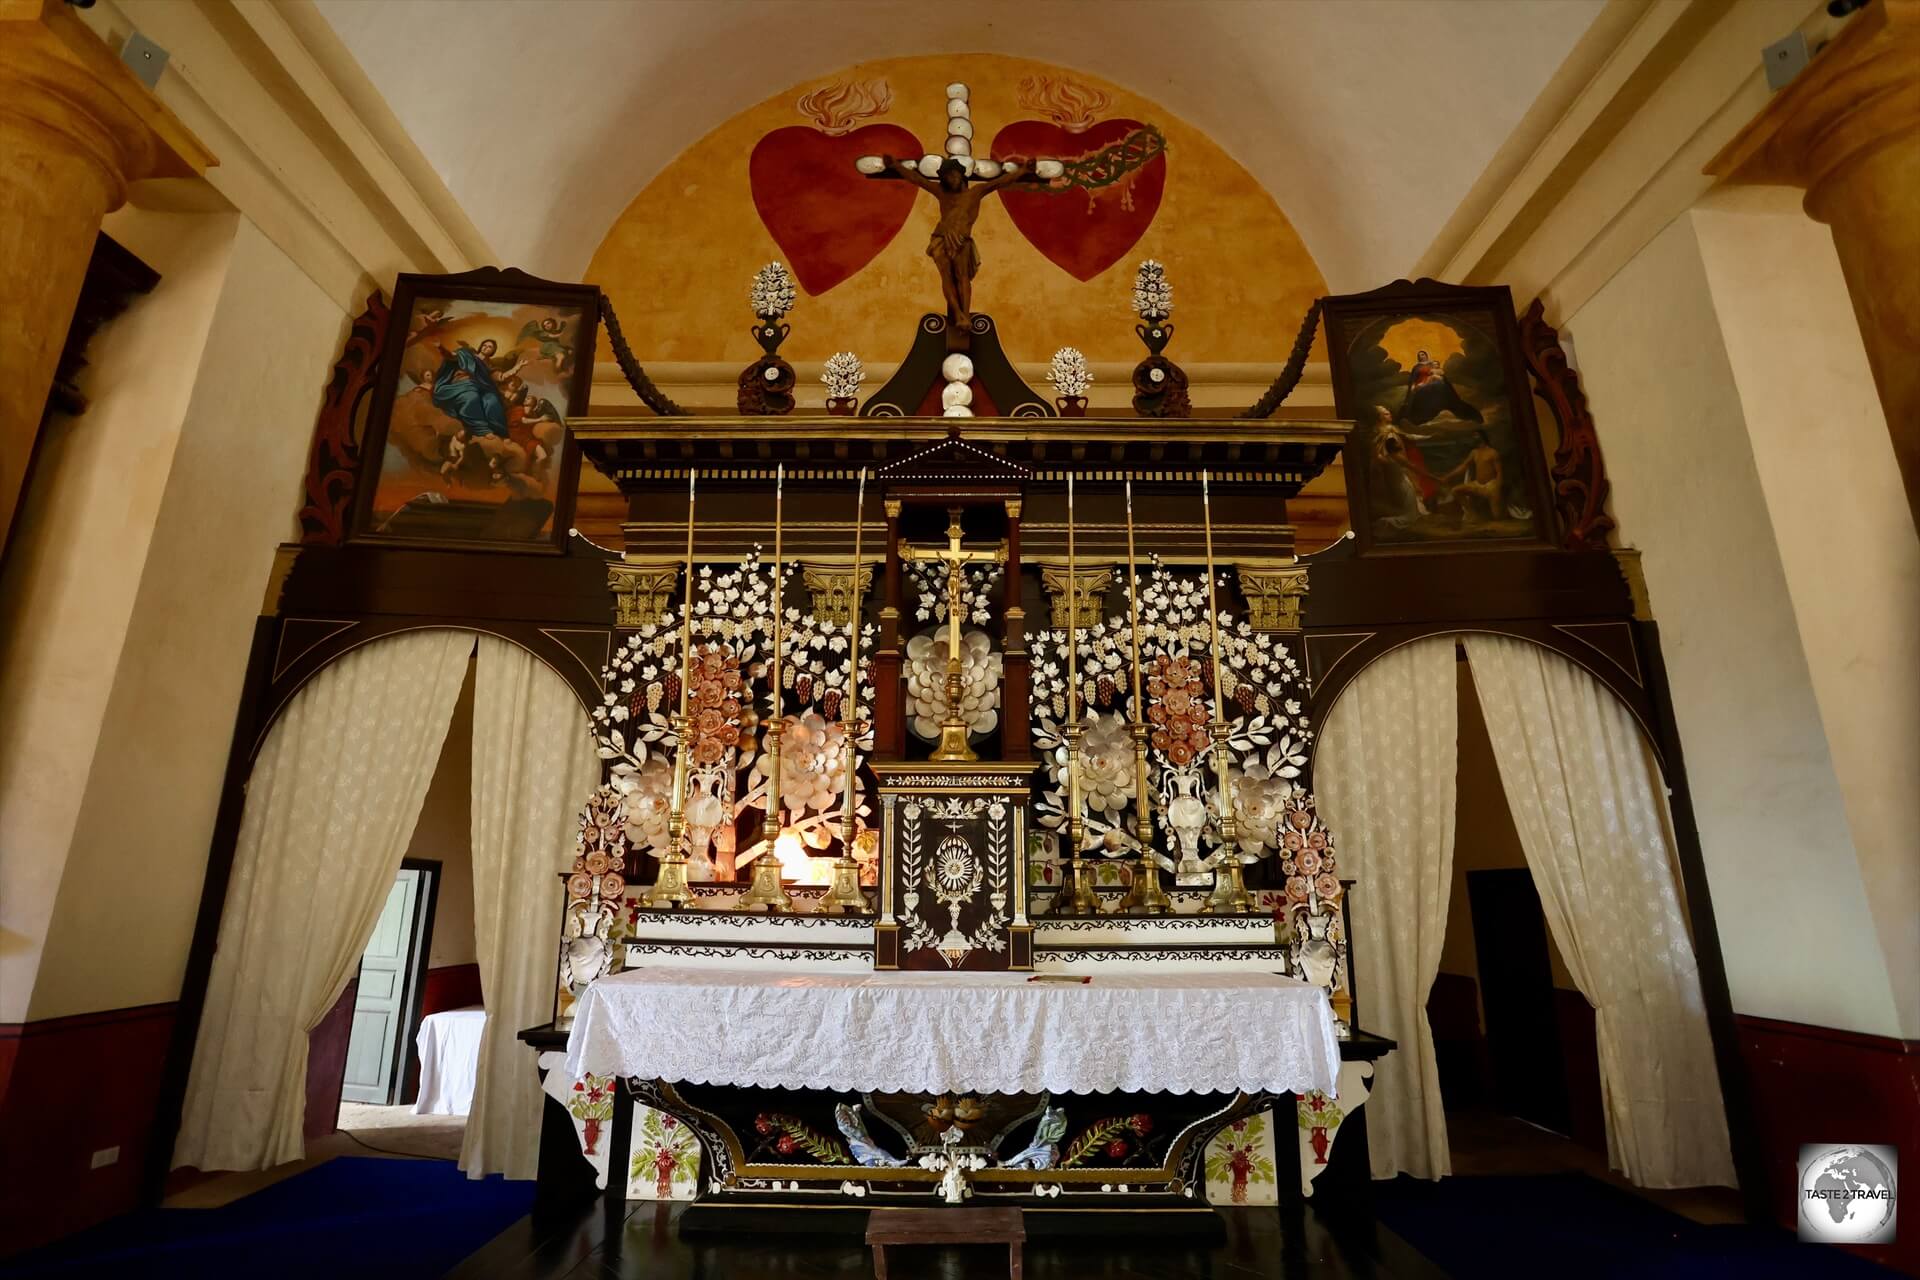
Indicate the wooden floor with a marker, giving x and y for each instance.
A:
(647, 1244)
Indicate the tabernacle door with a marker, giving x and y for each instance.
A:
(953, 867)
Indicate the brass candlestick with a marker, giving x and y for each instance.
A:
(1081, 900)
(670, 884)
(1229, 888)
(1149, 896)
(844, 894)
(767, 892)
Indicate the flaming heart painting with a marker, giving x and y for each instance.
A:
(830, 221)
(779, 181)
(467, 440)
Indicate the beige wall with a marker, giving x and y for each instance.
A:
(443, 834)
(1795, 923)
(74, 570)
(152, 541)
(1824, 460)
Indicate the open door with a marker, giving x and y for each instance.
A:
(388, 999)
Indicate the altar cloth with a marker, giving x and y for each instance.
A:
(913, 1032)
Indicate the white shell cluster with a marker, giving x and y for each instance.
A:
(956, 398)
(959, 127)
(980, 671)
(843, 375)
(1069, 373)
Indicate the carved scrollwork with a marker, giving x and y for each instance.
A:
(333, 465)
(1579, 473)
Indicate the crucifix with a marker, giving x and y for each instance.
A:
(953, 730)
(960, 184)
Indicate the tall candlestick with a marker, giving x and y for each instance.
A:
(1081, 900)
(1229, 892)
(1148, 897)
(845, 895)
(767, 893)
(670, 885)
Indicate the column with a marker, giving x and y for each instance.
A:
(76, 126)
(1848, 132)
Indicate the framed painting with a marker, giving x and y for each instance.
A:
(466, 443)
(1445, 452)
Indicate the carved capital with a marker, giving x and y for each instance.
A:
(1275, 597)
(640, 591)
(831, 586)
(1089, 590)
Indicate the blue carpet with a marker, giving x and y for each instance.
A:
(1573, 1227)
(352, 1216)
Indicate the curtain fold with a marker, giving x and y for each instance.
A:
(331, 803)
(1589, 803)
(1384, 773)
(534, 764)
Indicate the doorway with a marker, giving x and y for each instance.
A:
(386, 1005)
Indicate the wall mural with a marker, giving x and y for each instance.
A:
(777, 181)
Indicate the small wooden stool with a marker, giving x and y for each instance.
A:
(945, 1226)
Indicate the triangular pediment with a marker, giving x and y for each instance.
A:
(954, 459)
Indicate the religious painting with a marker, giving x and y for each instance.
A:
(831, 222)
(1445, 452)
(467, 441)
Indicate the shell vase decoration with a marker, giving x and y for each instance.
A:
(766, 385)
(1070, 378)
(843, 376)
(1159, 385)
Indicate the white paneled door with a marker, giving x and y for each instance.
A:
(380, 1008)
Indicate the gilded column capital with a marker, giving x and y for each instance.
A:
(640, 590)
(831, 587)
(1088, 589)
(1275, 597)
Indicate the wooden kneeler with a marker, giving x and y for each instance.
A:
(945, 1226)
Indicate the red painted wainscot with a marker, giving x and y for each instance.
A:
(1817, 1084)
(60, 1103)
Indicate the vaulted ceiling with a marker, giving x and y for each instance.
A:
(1368, 120)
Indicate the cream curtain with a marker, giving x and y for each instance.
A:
(1384, 774)
(330, 807)
(1589, 803)
(534, 765)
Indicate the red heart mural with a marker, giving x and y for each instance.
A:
(1083, 230)
(827, 218)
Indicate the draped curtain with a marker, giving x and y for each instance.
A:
(1385, 776)
(534, 764)
(330, 807)
(1588, 801)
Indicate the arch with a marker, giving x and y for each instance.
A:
(307, 646)
(1626, 685)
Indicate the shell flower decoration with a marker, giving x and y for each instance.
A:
(1069, 373)
(1152, 293)
(930, 586)
(843, 375)
(773, 293)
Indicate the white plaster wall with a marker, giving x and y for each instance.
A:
(74, 569)
(1824, 458)
(124, 916)
(1794, 920)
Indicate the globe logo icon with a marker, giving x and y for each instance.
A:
(1848, 1194)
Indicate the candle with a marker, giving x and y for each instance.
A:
(1073, 631)
(852, 704)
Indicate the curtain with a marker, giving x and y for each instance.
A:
(1590, 806)
(1384, 774)
(330, 806)
(534, 764)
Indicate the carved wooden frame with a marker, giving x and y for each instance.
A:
(1579, 472)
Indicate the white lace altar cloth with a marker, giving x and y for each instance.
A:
(941, 1032)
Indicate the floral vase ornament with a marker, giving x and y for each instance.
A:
(1159, 385)
(1070, 378)
(1320, 1115)
(1241, 1158)
(843, 376)
(766, 385)
(592, 1105)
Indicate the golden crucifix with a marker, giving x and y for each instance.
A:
(953, 730)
